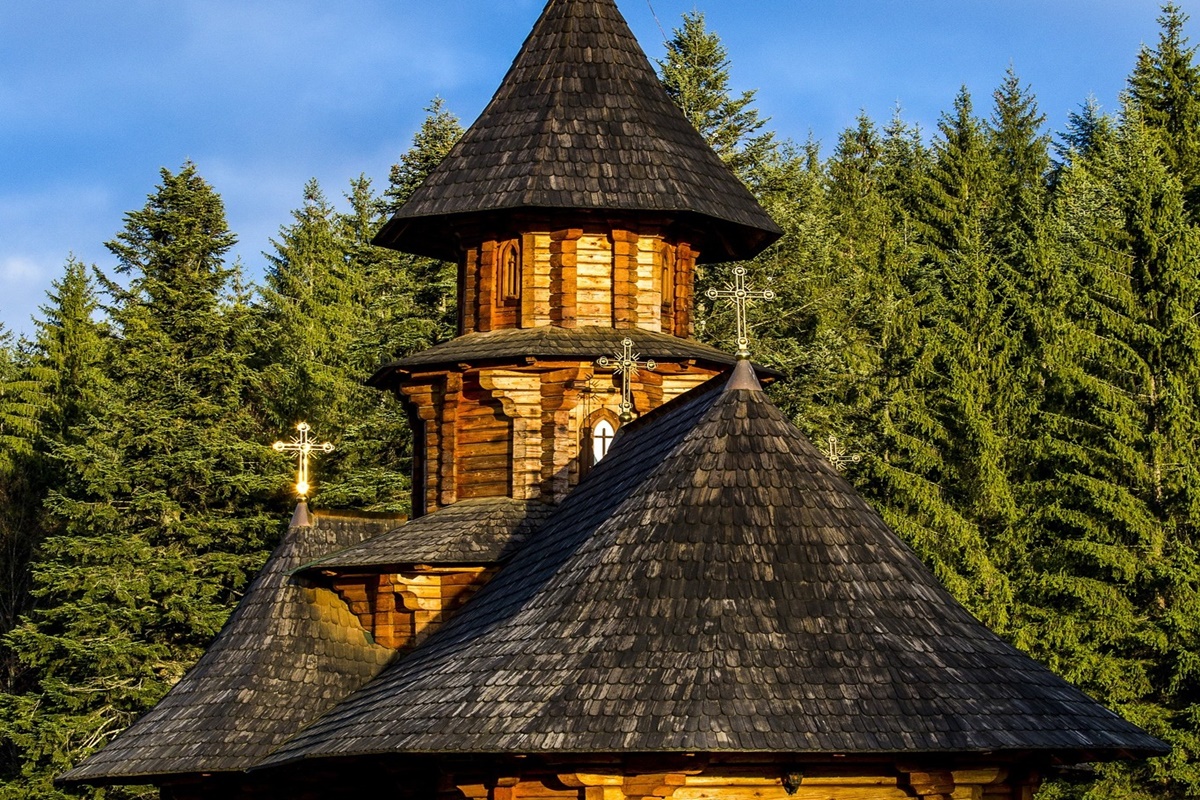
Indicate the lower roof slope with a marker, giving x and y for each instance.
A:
(479, 531)
(286, 655)
(714, 585)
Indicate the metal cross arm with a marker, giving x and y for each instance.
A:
(304, 450)
(741, 296)
(627, 363)
(838, 456)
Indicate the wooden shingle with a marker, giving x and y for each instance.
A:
(582, 123)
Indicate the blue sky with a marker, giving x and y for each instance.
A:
(97, 95)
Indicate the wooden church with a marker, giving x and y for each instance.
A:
(705, 611)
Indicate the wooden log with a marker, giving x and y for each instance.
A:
(468, 292)
(487, 284)
(624, 279)
(563, 276)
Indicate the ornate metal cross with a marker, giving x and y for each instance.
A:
(837, 456)
(626, 362)
(304, 449)
(741, 296)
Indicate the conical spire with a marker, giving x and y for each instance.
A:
(582, 122)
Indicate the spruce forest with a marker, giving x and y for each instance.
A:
(996, 324)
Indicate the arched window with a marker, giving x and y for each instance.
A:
(668, 276)
(602, 437)
(510, 272)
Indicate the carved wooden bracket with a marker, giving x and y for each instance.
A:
(929, 784)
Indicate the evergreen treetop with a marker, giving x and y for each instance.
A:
(696, 76)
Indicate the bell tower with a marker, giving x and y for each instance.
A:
(577, 207)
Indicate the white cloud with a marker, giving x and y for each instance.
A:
(20, 269)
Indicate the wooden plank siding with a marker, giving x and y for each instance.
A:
(563, 274)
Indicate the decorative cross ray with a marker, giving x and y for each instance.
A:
(741, 296)
(304, 449)
(837, 456)
(626, 362)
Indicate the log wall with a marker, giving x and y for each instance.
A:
(610, 277)
(522, 431)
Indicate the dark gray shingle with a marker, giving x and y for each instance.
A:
(481, 531)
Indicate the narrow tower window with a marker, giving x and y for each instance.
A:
(668, 276)
(602, 437)
(510, 272)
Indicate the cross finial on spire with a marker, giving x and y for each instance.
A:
(838, 456)
(304, 449)
(626, 362)
(740, 296)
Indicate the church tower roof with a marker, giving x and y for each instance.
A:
(582, 123)
(716, 586)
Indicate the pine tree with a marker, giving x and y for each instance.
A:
(433, 284)
(63, 381)
(19, 405)
(163, 510)
(433, 141)
(341, 308)
(321, 308)
(1111, 602)
(310, 294)
(1022, 151)
(696, 76)
(1164, 89)
(1085, 128)
(71, 350)
(942, 477)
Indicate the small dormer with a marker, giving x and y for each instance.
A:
(404, 584)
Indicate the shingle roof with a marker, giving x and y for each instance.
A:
(287, 654)
(715, 585)
(479, 531)
(549, 341)
(581, 121)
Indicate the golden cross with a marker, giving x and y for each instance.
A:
(626, 362)
(741, 296)
(837, 456)
(304, 449)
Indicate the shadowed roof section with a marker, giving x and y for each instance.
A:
(288, 654)
(716, 586)
(477, 531)
(582, 122)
